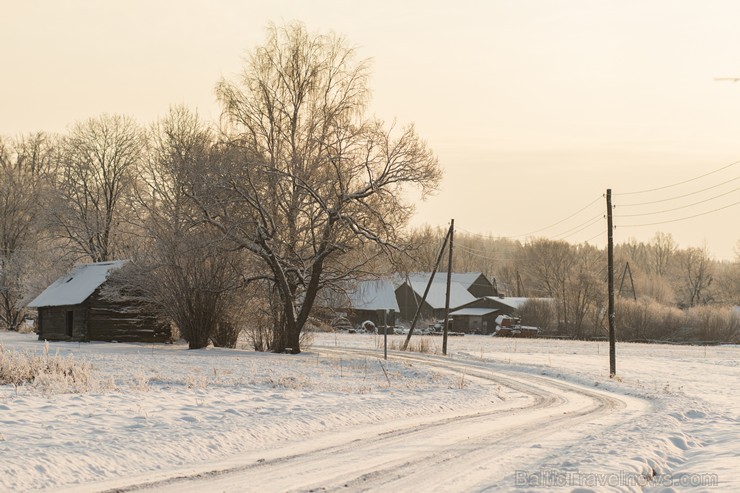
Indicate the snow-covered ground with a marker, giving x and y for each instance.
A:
(495, 415)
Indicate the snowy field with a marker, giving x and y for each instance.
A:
(495, 415)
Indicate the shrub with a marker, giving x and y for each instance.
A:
(649, 320)
(538, 313)
(52, 373)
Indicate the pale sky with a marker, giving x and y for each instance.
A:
(534, 108)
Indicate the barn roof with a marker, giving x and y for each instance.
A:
(465, 278)
(514, 301)
(374, 295)
(75, 287)
(473, 312)
(459, 294)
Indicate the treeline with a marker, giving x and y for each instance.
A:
(664, 292)
(228, 227)
(240, 226)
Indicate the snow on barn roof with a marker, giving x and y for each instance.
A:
(474, 312)
(77, 286)
(465, 278)
(514, 301)
(374, 295)
(459, 294)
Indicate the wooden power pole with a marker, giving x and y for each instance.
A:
(610, 268)
(426, 292)
(451, 235)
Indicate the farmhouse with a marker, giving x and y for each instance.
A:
(73, 309)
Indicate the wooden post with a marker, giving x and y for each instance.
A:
(426, 292)
(385, 334)
(451, 234)
(610, 268)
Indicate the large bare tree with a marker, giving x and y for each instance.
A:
(309, 180)
(99, 162)
(180, 270)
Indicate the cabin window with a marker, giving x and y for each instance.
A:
(70, 319)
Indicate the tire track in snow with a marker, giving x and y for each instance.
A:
(479, 448)
(506, 445)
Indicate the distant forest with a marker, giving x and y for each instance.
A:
(664, 292)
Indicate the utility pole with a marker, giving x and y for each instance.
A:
(519, 285)
(451, 235)
(426, 292)
(627, 270)
(610, 268)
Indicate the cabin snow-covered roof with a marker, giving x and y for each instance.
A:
(374, 295)
(75, 287)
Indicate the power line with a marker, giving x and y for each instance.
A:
(681, 207)
(563, 220)
(680, 219)
(681, 182)
(486, 257)
(594, 236)
(538, 230)
(582, 226)
(680, 196)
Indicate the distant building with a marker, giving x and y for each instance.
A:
(465, 288)
(369, 299)
(72, 309)
(479, 316)
(475, 320)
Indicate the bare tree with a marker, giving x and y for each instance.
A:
(39, 154)
(585, 290)
(24, 163)
(100, 158)
(309, 180)
(663, 247)
(696, 276)
(181, 271)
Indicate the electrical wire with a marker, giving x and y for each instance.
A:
(493, 259)
(562, 220)
(541, 229)
(680, 196)
(679, 219)
(594, 237)
(596, 220)
(678, 208)
(681, 182)
(579, 227)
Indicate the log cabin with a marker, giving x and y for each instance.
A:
(73, 308)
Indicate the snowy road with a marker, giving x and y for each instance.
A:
(477, 450)
(494, 415)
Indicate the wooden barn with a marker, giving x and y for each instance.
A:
(410, 292)
(475, 320)
(72, 309)
(480, 315)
